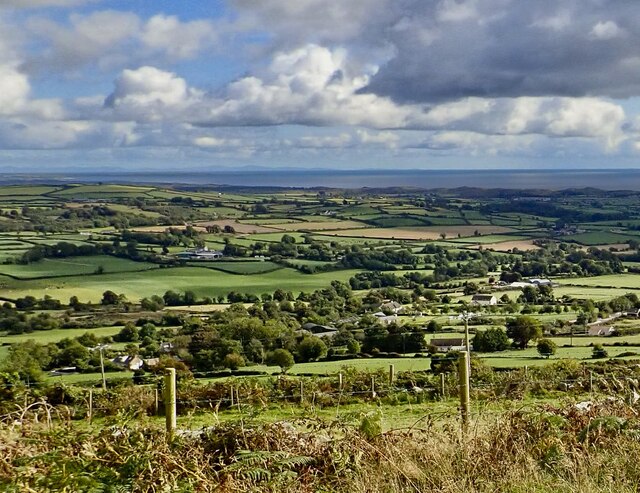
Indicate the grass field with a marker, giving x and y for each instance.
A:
(73, 266)
(422, 233)
(47, 336)
(241, 268)
(136, 285)
(631, 281)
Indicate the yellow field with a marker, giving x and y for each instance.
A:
(505, 246)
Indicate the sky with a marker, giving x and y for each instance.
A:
(423, 84)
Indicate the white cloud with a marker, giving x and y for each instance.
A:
(109, 39)
(178, 40)
(605, 30)
(150, 94)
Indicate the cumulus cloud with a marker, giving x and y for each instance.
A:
(179, 40)
(110, 38)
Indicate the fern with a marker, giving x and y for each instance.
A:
(262, 465)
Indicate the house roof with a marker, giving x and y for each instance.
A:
(450, 341)
(483, 297)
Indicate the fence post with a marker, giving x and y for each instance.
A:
(90, 411)
(373, 387)
(591, 383)
(156, 403)
(231, 396)
(392, 374)
(465, 398)
(340, 381)
(301, 391)
(170, 401)
(442, 388)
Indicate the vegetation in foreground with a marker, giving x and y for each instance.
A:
(550, 449)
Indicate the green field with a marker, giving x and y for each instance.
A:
(241, 268)
(630, 281)
(47, 336)
(136, 285)
(73, 266)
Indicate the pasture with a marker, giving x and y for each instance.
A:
(74, 266)
(200, 280)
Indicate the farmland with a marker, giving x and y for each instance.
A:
(344, 309)
(114, 250)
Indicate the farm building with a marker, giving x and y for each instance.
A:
(601, 330)
(385, 319)
(484, 299)
(391, 307)
(540, 282)
(448, 344)
(200, 254)
(318, 330)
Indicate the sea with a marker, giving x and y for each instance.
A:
(604, 179)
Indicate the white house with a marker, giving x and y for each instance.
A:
(448, 344)
(484, 299)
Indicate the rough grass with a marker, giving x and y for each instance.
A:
(546, 449)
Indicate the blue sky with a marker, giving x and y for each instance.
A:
(434, 84)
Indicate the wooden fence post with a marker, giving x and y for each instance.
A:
(442, 387)
(465, 398)
(340, 381)
(156, 401)
(301, 391)
(90, 410)
(170, 402)
(373, 387)
(392, 374)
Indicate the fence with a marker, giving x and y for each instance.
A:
(391, 387)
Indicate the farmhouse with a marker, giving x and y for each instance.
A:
(200, 254)
(484, 299)
(448, 344)
(385, 319)
(601, 330)
(128, 362)
(391, 307)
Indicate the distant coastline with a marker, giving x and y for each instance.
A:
(604, 179)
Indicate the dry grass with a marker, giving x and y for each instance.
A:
(550, 449)
(507, 246)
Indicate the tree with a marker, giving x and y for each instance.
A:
(523, 329)
(233, 361)
(311, 348)
(281, 358)
(546, 348)
(433, 326)
(110, 298)
(129, 333)
(491, 340)
(599, 352)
